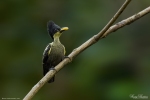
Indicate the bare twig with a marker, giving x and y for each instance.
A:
(127, 21)
(114, 18)
(81, 48)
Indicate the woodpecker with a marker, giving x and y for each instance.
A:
(54, 53)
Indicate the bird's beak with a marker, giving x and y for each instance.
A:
(64, 29)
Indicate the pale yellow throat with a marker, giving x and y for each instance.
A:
(56, 36)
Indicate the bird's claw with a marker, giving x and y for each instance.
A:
(53, 69)
(68, 58)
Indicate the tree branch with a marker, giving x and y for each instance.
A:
(126, 21)
(114, 18)
(85, 45)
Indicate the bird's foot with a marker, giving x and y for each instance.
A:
(68, 58)
(53, 69)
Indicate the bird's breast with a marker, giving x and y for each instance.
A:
(56, 55)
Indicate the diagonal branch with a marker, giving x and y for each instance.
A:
(126, 21)
(81, 48)
(114, 18)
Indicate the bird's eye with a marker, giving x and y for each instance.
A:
(55, 30)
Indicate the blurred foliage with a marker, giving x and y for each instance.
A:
(112, 69)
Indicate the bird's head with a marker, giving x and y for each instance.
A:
(54, 30)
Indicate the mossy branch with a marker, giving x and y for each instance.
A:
(107, 30)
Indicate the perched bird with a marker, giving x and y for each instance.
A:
(54, 53)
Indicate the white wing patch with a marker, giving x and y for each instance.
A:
(64, 50)
(50, 48)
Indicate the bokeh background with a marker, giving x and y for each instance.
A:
(112, 69)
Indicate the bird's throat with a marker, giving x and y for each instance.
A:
(56, 40)
(56, 37)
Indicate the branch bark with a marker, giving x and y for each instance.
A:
(85, 45)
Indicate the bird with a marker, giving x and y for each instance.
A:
(54, 52)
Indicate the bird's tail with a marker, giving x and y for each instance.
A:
(45, 72)
(51, 80)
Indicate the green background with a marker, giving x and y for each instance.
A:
(112, 69)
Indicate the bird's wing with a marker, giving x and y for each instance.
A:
(46, 53)
(45, 58)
